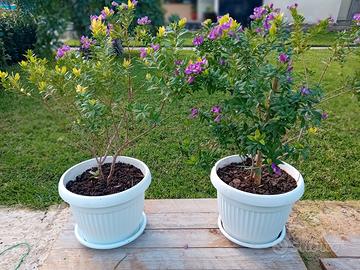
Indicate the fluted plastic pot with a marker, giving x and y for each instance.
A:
(254, 220)
(109, 221)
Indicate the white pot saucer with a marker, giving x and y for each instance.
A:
(250, 245)
(112, 245)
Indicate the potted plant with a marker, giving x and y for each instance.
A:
(266, 112)
(94, 87)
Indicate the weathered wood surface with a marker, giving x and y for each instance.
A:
(343, 246)
(181, 234)
(340, 264)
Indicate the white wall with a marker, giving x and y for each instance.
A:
(313, 10)
(202, 6)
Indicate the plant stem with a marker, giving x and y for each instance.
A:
(258, 166)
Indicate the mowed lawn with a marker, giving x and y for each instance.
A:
(37, 147)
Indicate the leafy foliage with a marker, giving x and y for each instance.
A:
(17, 34)
(82, 9)
(267, 107)
(95, 86)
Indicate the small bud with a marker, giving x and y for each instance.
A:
(126, 63)
(161, 31)
(182, 22)
(76, 72)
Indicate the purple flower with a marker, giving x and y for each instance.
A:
(195, 68)
(290, 67)
(104, 15)
(258, 30)
(194, 112)
(289, 79)
(293, 6)
(114, 4)
(227, 25)
(155, 47)
(95, 17)
(305, 91)
(356, 18)
(324, 116)
(283, 58)
(198, 40)
(143, 52)
(215, 33)
(61, 51)
(222, 61)
(218, 118)
(258, 13)
(109, 28)
(179, 62)
(216, 109)
(143, 21)
(267, 21)
(86, 42)
(276, 169)
(190, 79)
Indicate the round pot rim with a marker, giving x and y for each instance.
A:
(276, 200)
(104, 200)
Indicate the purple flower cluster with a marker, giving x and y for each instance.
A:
(283, 58)
(216, 110)
(305, 91)
(218, 30)
(155, 47)
(194, 112)
(179, 62)
(95, 17)
(109, 28)
(267, 22)
(198, 40)
(143, 21)
(324, 116)
(86, 42)
(194, 69)
(293, 6)
(143, 52)
(114, 4)
(276, 169)
(62, 51)
(104, 15)
(259, 12)
(356, 18)
(125, 6)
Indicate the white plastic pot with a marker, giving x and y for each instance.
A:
(109, 221)
(254, 220)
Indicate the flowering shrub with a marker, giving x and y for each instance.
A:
(95, 88)
(268, 106)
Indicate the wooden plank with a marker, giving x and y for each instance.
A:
(181, 220)
(199, 238)
(343, 246)
(340, 264)
(180, 258)
(181, 205)
(164, 238)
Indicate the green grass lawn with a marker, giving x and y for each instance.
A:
(36, 148)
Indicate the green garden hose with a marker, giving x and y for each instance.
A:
(22, 257)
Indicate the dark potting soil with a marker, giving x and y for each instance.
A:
(237, 175)
(125, 176)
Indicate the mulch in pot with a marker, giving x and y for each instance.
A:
(237, 175)
(125, 176)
